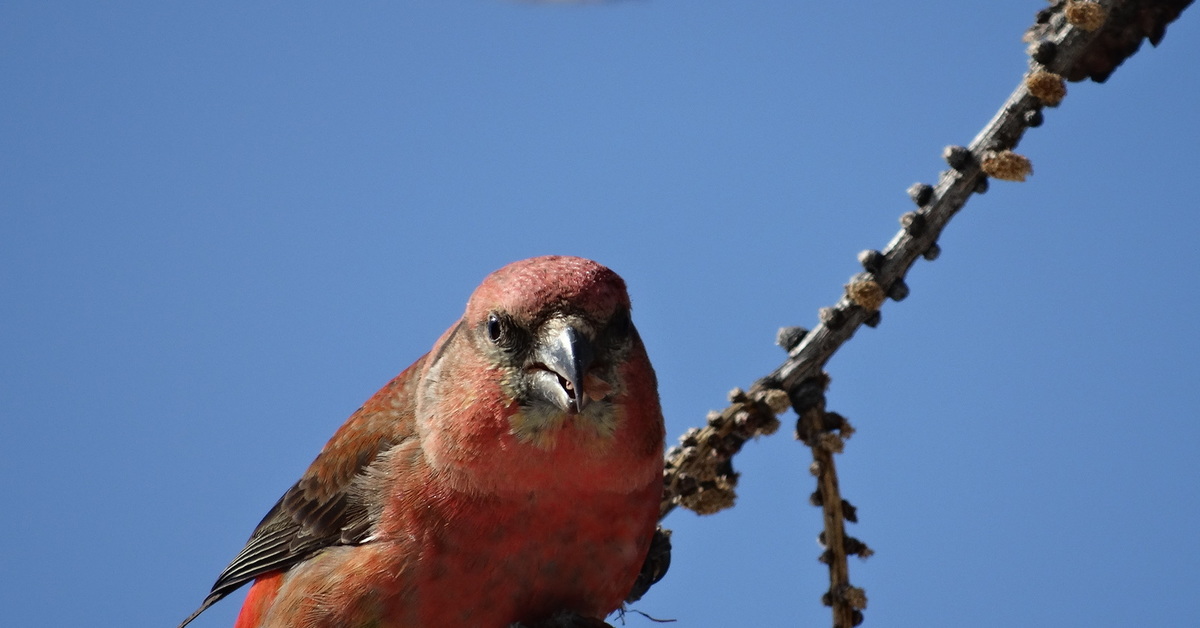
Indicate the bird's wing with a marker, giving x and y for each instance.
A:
(320, 510)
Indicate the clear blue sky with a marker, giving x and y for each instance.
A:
(226, 224)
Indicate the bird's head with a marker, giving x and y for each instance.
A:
(546, 357)
(556, 331)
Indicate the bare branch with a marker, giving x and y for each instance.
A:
(699, 473)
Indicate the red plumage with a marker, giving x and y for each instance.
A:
(512, 474)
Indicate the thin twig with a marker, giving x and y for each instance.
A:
(825, 433)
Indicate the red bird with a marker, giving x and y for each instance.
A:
(512, 474)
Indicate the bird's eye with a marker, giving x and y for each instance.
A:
(503, 332)
(495, 328)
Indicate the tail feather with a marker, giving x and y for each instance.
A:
(213, 598)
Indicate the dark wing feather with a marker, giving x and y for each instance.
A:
(320, 510)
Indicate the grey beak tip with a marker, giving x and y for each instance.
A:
(569, 356)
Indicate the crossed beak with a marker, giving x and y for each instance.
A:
(565, 359)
